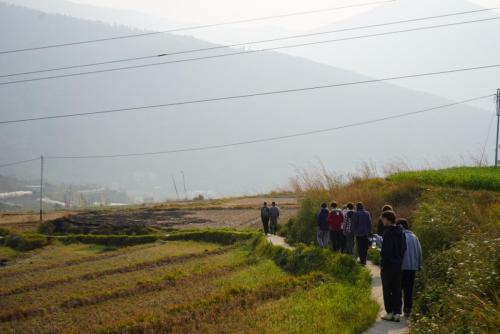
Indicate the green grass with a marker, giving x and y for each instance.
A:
(462, 177)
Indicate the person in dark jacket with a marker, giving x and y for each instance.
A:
(362, 229)
(265, 214)
(274, 215)
(391, 260)
(380, 225)
(347, 230)
(323, 227)
(336, 222)
(412, 262)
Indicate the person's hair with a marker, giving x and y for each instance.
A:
(273, 203)
(265, 203)
(334, 204)
(387, 207)
(390, 216)
(403, 222)
(324, 206)
(350, 206)
(360, 206)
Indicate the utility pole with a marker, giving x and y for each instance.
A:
(41, 188)
(175, 187)
(498, 127)
(184, 183)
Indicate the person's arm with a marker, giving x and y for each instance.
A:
(420, 256)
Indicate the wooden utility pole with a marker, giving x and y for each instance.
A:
(498, 127)
(41, 188)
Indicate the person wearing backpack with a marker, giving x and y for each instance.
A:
(347, 230)
(412, 262)
(362, 228)
(335, 221)
(265, 214)
(391, 260)
(323, 228)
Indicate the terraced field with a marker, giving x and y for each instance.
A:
(174, 287)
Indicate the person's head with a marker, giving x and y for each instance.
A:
(273, 203)
(387, 207)
(324, 206)
(388, 218)
(403, 222)
(360, 206)
(265, 203)
(333, 205)
(350, 206)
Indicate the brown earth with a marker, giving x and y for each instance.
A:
(240, 213)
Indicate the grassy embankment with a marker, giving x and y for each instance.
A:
(195, 281)
(456, 215)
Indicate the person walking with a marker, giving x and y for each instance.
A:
(274, 214)
(380, 225)
(391, 260)
(412, 262)
(265, 214)
(347, 230)
(335, 221)
(323, 227)
(362, 229)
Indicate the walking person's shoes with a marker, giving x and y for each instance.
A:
(388, 317)
(396, 317)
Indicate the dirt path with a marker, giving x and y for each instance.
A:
(380, 326)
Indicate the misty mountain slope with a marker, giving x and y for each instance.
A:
(419, 51)
(232, 170)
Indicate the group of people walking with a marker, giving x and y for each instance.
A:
(350, 230)
(270, 214)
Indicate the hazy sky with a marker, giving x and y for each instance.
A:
(202, 11)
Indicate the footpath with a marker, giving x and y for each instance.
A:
(380, 326)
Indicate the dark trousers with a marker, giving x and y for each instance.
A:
(407, 283)
(391, 286)
(362, 248)
(337, 239)
(274, 225)
(349, 244)
(265, 223)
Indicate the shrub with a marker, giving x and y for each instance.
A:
(25, 241)
(109, 240)
(217, 236)
(374, 256)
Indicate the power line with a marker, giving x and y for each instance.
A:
(264, 18)
(244, 43)
(245, 52)
(234, 97)
(19, 162)
(269, 139)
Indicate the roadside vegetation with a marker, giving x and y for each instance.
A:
(456, 215)
(476, 178)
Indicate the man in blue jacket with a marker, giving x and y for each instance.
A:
(391, 260)
(361, 226)
(412, 262)
(323, 227)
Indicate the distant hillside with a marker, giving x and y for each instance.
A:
(250, 169)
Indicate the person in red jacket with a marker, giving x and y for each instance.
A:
(336, 220)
